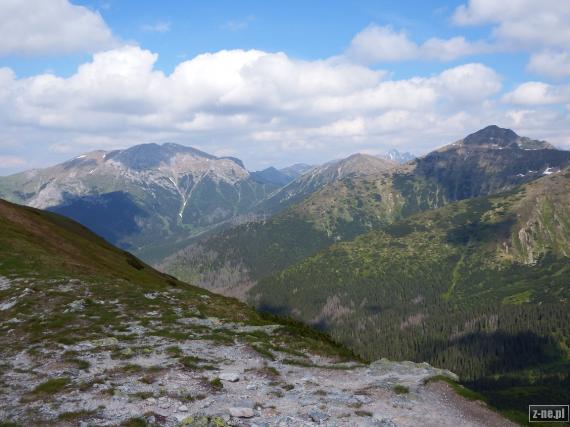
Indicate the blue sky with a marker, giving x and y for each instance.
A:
(276, 83)
(308, 30)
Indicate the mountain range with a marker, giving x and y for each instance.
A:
(280, 177)
(479, 286)
(151, 198)
(458, 257)
(142, 195)
(487, 162)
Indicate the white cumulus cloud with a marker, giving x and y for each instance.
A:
(42, 27)
(551, 63)
(377, 44)
(252, 102)
(538, 27)
(538, 93)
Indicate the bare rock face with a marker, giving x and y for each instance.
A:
(241, 412)
(229, 376)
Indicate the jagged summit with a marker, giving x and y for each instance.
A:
(496, 137)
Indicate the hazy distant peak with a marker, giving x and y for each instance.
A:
(397, 156)
(271, 175)
(296, 170)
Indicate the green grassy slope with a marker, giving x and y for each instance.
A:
(479, 286)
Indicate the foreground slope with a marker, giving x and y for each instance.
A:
(486, 162)
(89, 334)
(479, 286)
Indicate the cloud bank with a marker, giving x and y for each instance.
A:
(270, 108)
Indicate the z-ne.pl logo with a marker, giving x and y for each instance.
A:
(548, 413)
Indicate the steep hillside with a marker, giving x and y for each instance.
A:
(143, 195)
(480, 286)
(90, 335)
(486, 162)
(489, 161)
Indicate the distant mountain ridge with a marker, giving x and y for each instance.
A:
(153, 198)
(296, 170)
(145, 193)
(282, 176)
(271, 175)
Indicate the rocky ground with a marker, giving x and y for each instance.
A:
(217, 382)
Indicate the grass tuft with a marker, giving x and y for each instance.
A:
(53, 386)
(401, 389)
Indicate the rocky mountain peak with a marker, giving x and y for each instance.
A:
(142, 188)
(316, 178)
(361, 164)
(494, 136)
(147, 156)
(296, 170)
